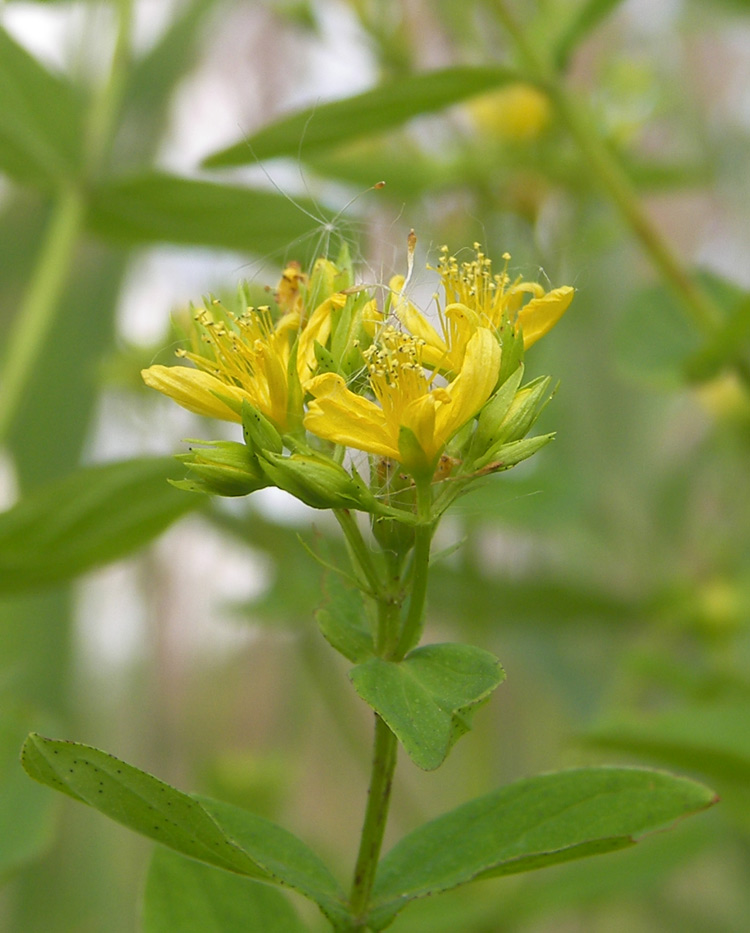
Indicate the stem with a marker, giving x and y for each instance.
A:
(359, 550)
(36, 316)
(702, 309)
(420, 569)
(379, 795)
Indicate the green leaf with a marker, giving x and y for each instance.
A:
(27, 813)
(428, 699)
(588, 16)
(654, 339)
(657, 343)
(212, 832)
(726, 348)
(286, 859)
(342, 121)
(531, 824)
(343, 622)
(156, 207)
(183, 896)
(86, 519)
(41, 119)
(136, 799)
(712, 738)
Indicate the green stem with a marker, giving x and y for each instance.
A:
(360, 552)
(36, 316)
(412, 628)
(33, 320)
(699, 305)
(379, 795)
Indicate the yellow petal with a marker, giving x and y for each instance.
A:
(419, 417)
(338, 415)
(195, 390)
(541, 314)
(318, 328)
(472, 386)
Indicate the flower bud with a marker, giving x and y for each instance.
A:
(494, 412)
(505, 456)
(223, 468)
(497, 427)
(317, 481)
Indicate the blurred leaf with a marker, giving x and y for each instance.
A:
(27, 813)
(183, 896)
(711, 738)
(531, 824)
(657, 343)
(86, 519)
(728, 347)
(429, 698)
(212, 832)
(587, 17)
(157, 207)
(41, 119)
(343, 622)
(152, 79)
(342, 121)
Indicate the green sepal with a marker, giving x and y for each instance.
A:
(493, 414)
(221, 468)
(505, 456)
(511, 343)
(412, 457)
(258, 431)
(523, 411)
(325, 359)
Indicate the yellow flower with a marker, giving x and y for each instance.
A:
(237, 358)
(249, 357)
(406, 396)
(495, 299)
(475, 298)
(518, 112)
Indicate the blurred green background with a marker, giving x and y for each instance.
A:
(611, 574)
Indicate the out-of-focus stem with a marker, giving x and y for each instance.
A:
(34, 319)
(700, 306)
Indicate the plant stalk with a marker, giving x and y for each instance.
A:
(36, 316)
(700, 307)
(384, 757)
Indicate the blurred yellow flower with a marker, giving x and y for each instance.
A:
(406, 396)
(518, 112)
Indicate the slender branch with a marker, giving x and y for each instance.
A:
(34, 319)
(698, 304)
(36, 316)
(360, 552)
(412, 628)
(384, 757)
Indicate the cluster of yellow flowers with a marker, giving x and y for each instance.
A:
(327, 369)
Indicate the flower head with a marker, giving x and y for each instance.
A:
(406, 396)
(496, 300)
(237, 358)
(474, 297)
(251, 357)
